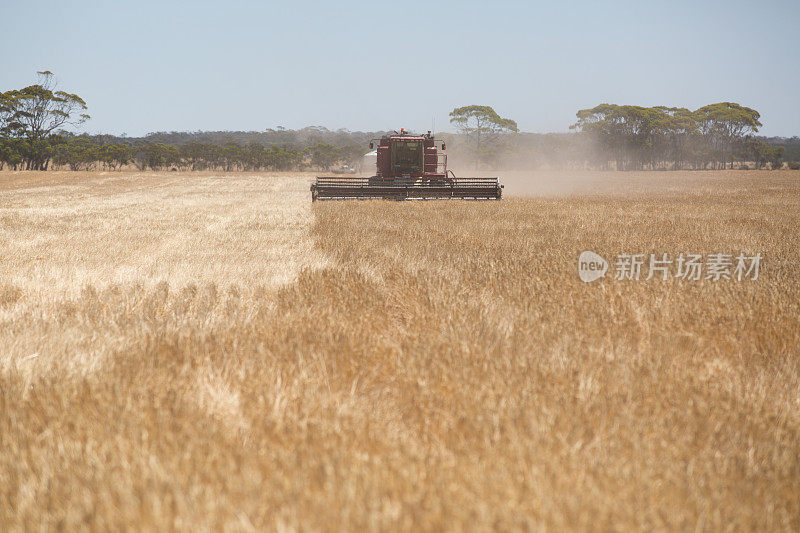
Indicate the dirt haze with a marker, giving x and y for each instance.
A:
(589, 182)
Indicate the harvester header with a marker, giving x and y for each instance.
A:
(409, 166)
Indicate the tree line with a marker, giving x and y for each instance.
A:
(607, 136)
(715, 136)
(32, 137)
(626, 137)
(84, 152)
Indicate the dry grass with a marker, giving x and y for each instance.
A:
(213, 356)
(132, 238)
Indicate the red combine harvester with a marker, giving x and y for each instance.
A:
(409, 167)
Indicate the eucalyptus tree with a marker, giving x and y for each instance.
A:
(636, 137)
(8, 106)
(626, 131)
(41, 109)
(725, 125)
(677, 132)
(324, 155)
(484, 129)
(37, 111)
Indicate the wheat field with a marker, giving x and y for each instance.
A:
(204, 351)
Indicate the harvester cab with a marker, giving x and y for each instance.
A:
(408, 167)
(405, 156)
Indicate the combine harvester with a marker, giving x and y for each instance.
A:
(409, 167)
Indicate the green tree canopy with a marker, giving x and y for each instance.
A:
(726, 125)
(324, 155)
(8, 105)
(484, 128)
(34, 113)
(41, 110)
(728, 119)
(638, 136)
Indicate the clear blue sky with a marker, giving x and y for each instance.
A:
(231, 65)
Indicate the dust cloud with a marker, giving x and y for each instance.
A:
(522, 178)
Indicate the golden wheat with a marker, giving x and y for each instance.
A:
(204, 352)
